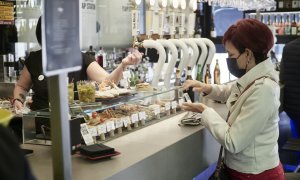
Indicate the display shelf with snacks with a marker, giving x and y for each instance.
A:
(110, 119)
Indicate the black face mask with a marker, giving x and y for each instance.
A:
(233, 67)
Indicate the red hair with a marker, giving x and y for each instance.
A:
(251, 34)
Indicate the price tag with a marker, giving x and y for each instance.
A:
(102, 128)
(93, 131)
(168, 106)
(134, 118)
(157, 110)
(142, 115)
(174, 104)
(180, 102)
(119, 123)
(85, 133)
(126, 121)
(110, 125)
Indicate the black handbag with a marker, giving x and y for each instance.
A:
(220, 173)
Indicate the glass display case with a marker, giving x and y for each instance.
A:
(108, 118)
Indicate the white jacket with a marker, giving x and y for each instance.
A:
(250, 137)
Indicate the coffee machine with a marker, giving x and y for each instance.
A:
(10, 68)
(9, 73)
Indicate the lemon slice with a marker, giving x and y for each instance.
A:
(5, 116)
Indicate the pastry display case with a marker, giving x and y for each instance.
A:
(107, 118)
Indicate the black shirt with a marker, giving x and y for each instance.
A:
(39, 80)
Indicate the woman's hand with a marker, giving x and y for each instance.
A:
(18, 105)
(194, 107)
(197, 86)
(133, 58)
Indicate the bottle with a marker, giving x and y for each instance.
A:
(198, 29)
(189, 77)
(280, 4)
(275, 25)
(207, 75)
(271, 27)
(213, 33)
(177, 84)
(287, 26)
(217, 73)
(295, 4)
(294, 26)
(281, 28)
(199, 76)
(177, 80)
(101, 58)
(91, 52)
(262, 19)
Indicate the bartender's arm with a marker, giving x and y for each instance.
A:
(97, 73)
(21, 89)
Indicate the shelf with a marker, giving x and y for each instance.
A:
(276, 11)
(281, 39)
(102, 105)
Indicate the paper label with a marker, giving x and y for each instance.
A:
(119, 123)
(102, 128)
(85, 133)
(142, 115)
(168, 106)
(134, 118)
(93, 131)
(126, 121)
(110, 125)
(156, 110)
(174, 104)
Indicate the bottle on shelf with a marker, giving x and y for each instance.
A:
(295, 4)
(271, 27)
(177, 84)
(287, 28)
(280, 4)
(275, 25)
(198, 29)
(281, 27)
(199, 76)
(207, 75)
(294, 26)
(101, 58)
(189, 77)
(213, 32)
(90, 52)
(262, 19)
(217, 73)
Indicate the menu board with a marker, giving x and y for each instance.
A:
(6, 12)
(60, 25)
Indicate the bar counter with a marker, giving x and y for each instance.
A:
(160, 151)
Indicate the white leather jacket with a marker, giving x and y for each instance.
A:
(250, 136)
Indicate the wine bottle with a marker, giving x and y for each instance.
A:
(207, 75)
(287, 26)
(217, 73)
(294, 26)
(189, 77)
(199, 76)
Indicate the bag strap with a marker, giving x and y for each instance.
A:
(249, 85)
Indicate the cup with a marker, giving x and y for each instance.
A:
(86, 92)
(71, 92)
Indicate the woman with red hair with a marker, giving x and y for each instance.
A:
(249, 136)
